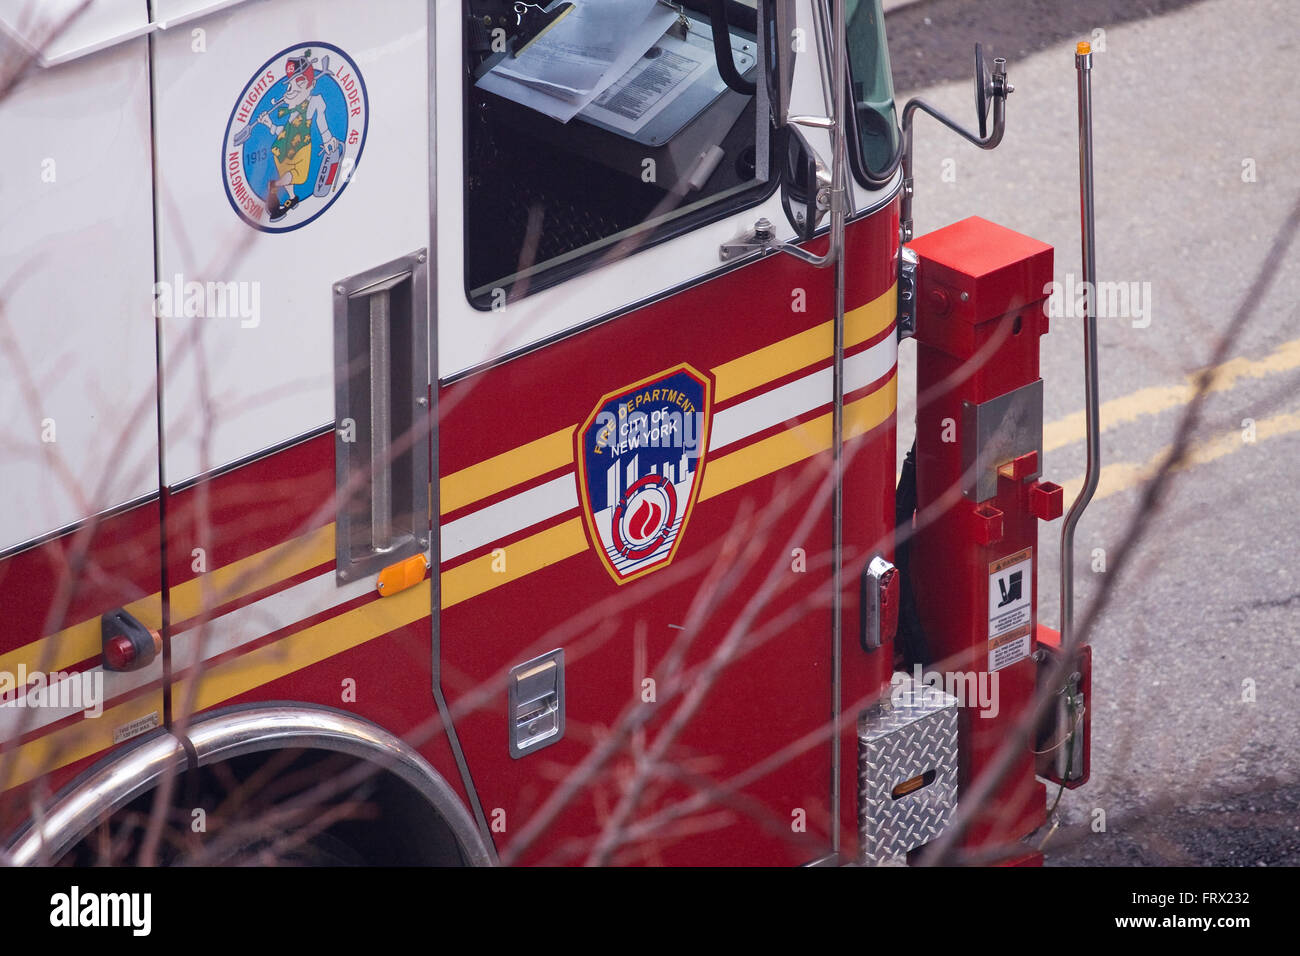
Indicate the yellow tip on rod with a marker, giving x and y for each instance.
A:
(1084, 48)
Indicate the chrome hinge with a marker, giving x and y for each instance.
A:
(907, 263)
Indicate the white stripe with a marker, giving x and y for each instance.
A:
(253, 621)
(226, 633)
(514, 514)
(800, 396)
(506, 517)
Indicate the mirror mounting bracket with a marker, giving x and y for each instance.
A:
(990, 90)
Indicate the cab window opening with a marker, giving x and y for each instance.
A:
(876, 141)
(563, 174)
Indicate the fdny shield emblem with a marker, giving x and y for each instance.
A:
(640, 462)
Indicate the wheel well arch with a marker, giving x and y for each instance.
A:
(249, 734)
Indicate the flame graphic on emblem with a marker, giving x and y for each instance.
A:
(645, 518)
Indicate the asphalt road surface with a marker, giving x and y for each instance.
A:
(1195, 716)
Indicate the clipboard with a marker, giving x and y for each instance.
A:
(700, 91)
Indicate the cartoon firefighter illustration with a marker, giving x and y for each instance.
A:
(290, 119)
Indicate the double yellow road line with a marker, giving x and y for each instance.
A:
(1124, 475)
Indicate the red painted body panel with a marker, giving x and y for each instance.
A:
(103, 564)
(274, 500)
(42, 590)
(251, 508)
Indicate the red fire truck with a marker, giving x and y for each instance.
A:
(466, 433)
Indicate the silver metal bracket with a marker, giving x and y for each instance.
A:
(999, 431)
(759, 239)
(908, 261)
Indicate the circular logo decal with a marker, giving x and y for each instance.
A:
(294, 137)
(644, 518)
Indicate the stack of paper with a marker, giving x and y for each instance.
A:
(580, 57)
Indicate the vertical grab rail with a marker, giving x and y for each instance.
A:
(1083, 66)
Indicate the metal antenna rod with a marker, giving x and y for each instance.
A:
(1083, 65)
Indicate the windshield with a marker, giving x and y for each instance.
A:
(872, 85)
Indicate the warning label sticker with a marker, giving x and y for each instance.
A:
(1011, 608)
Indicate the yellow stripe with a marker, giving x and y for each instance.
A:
(720, 476)
(732, 378)
(797, 444)
(505, 470)
(257, 571)
(305, 648)
(1160, 398)
(64, 648)
(513, 561)
(74, 742)
(283, 561)
(803, 349)
(83, 641)
(1123, 475)
(314, 644)
(226, 680)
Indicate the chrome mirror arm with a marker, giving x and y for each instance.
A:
(998, 94)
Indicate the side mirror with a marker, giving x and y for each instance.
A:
(805, 182)
(983, 90)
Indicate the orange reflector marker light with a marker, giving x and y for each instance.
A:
(1084, 48)
(911, 786)
(404, 574)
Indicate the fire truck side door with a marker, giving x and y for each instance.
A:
(293, 230)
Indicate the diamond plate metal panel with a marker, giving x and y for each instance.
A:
(914, 736)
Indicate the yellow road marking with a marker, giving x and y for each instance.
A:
(1160, 398)
(1123, 475)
